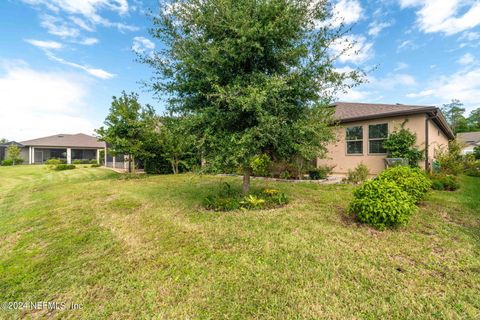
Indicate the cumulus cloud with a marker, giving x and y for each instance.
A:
(466, 59)
(347, 11)
(353, 48)
(449, 17)
(52, 105)
(45, 44)
(463, 85)
(142, 45)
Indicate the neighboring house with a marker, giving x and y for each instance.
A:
(469, 140)
(363, 127)
(69, 147)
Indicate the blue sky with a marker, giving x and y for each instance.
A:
(61, 61)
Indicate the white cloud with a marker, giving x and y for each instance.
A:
(99, 73)
(463, 85)
(466, 59)
(407, 45)
(84, 14)
(447, 16)
(470, 36)
(88, 41)
(376, 27)
(353, 48)
(57, 27)
(44, 44)
(40, 103)
(142, 45)
(346, 11)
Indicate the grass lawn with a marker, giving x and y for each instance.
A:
(144, 248)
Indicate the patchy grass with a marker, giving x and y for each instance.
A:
(145, 248)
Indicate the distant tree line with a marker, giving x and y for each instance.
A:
(455, 114)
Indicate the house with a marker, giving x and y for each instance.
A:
(69, 147)
(469, 140)
(362, 128)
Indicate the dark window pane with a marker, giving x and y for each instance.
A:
(376, 146)
(354, 133)
(354, 147)
(378, 131)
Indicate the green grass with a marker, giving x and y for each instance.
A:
(145, 248)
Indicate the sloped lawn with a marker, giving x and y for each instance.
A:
(145, 248)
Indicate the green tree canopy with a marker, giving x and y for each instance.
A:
(453, 112)
(256, 77)
(127, 127)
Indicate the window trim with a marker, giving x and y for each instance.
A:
(377, 139)
(347, 141)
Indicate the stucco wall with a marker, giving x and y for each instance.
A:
(436, 140)
(337, 155)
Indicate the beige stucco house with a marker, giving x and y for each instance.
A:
(363, 127)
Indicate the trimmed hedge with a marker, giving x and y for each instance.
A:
(382, 203)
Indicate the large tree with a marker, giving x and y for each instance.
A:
(255, 76)
(474, 120)
(127, 127)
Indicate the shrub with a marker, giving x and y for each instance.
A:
(76, 161)
(62, 166)
(472, 166)
(95, 165)
(93, 161)
(260, 165)
(411, 180)
(401, 143)
(358, 175)
(319, 173)
(476, 152)
(382, 204)
(53, 162)
(444, 182)
(450, 161)
(7, 162)
(228, 199)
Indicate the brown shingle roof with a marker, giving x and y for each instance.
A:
(355, 111)
(352, 111)
(470, 138)
(79, 140)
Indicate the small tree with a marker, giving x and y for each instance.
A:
(127, 126)
(3, 140)
(14, 154)
(401, 143)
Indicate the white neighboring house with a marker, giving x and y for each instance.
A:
(469, 140)
(69, 147)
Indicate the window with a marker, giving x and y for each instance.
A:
(354, 137)
(377, 133)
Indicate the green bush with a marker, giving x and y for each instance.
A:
(62, 166)
(93, 161)
(411, 180)
(450, 161)
(401, 143)
(444, 182)
(7, 162)
(320, 173)
(382, 204)
(53, 162)
(472, 166)
(260, 165)
(95, 165)
(358, 175)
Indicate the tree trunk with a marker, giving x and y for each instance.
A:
(247, 172)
